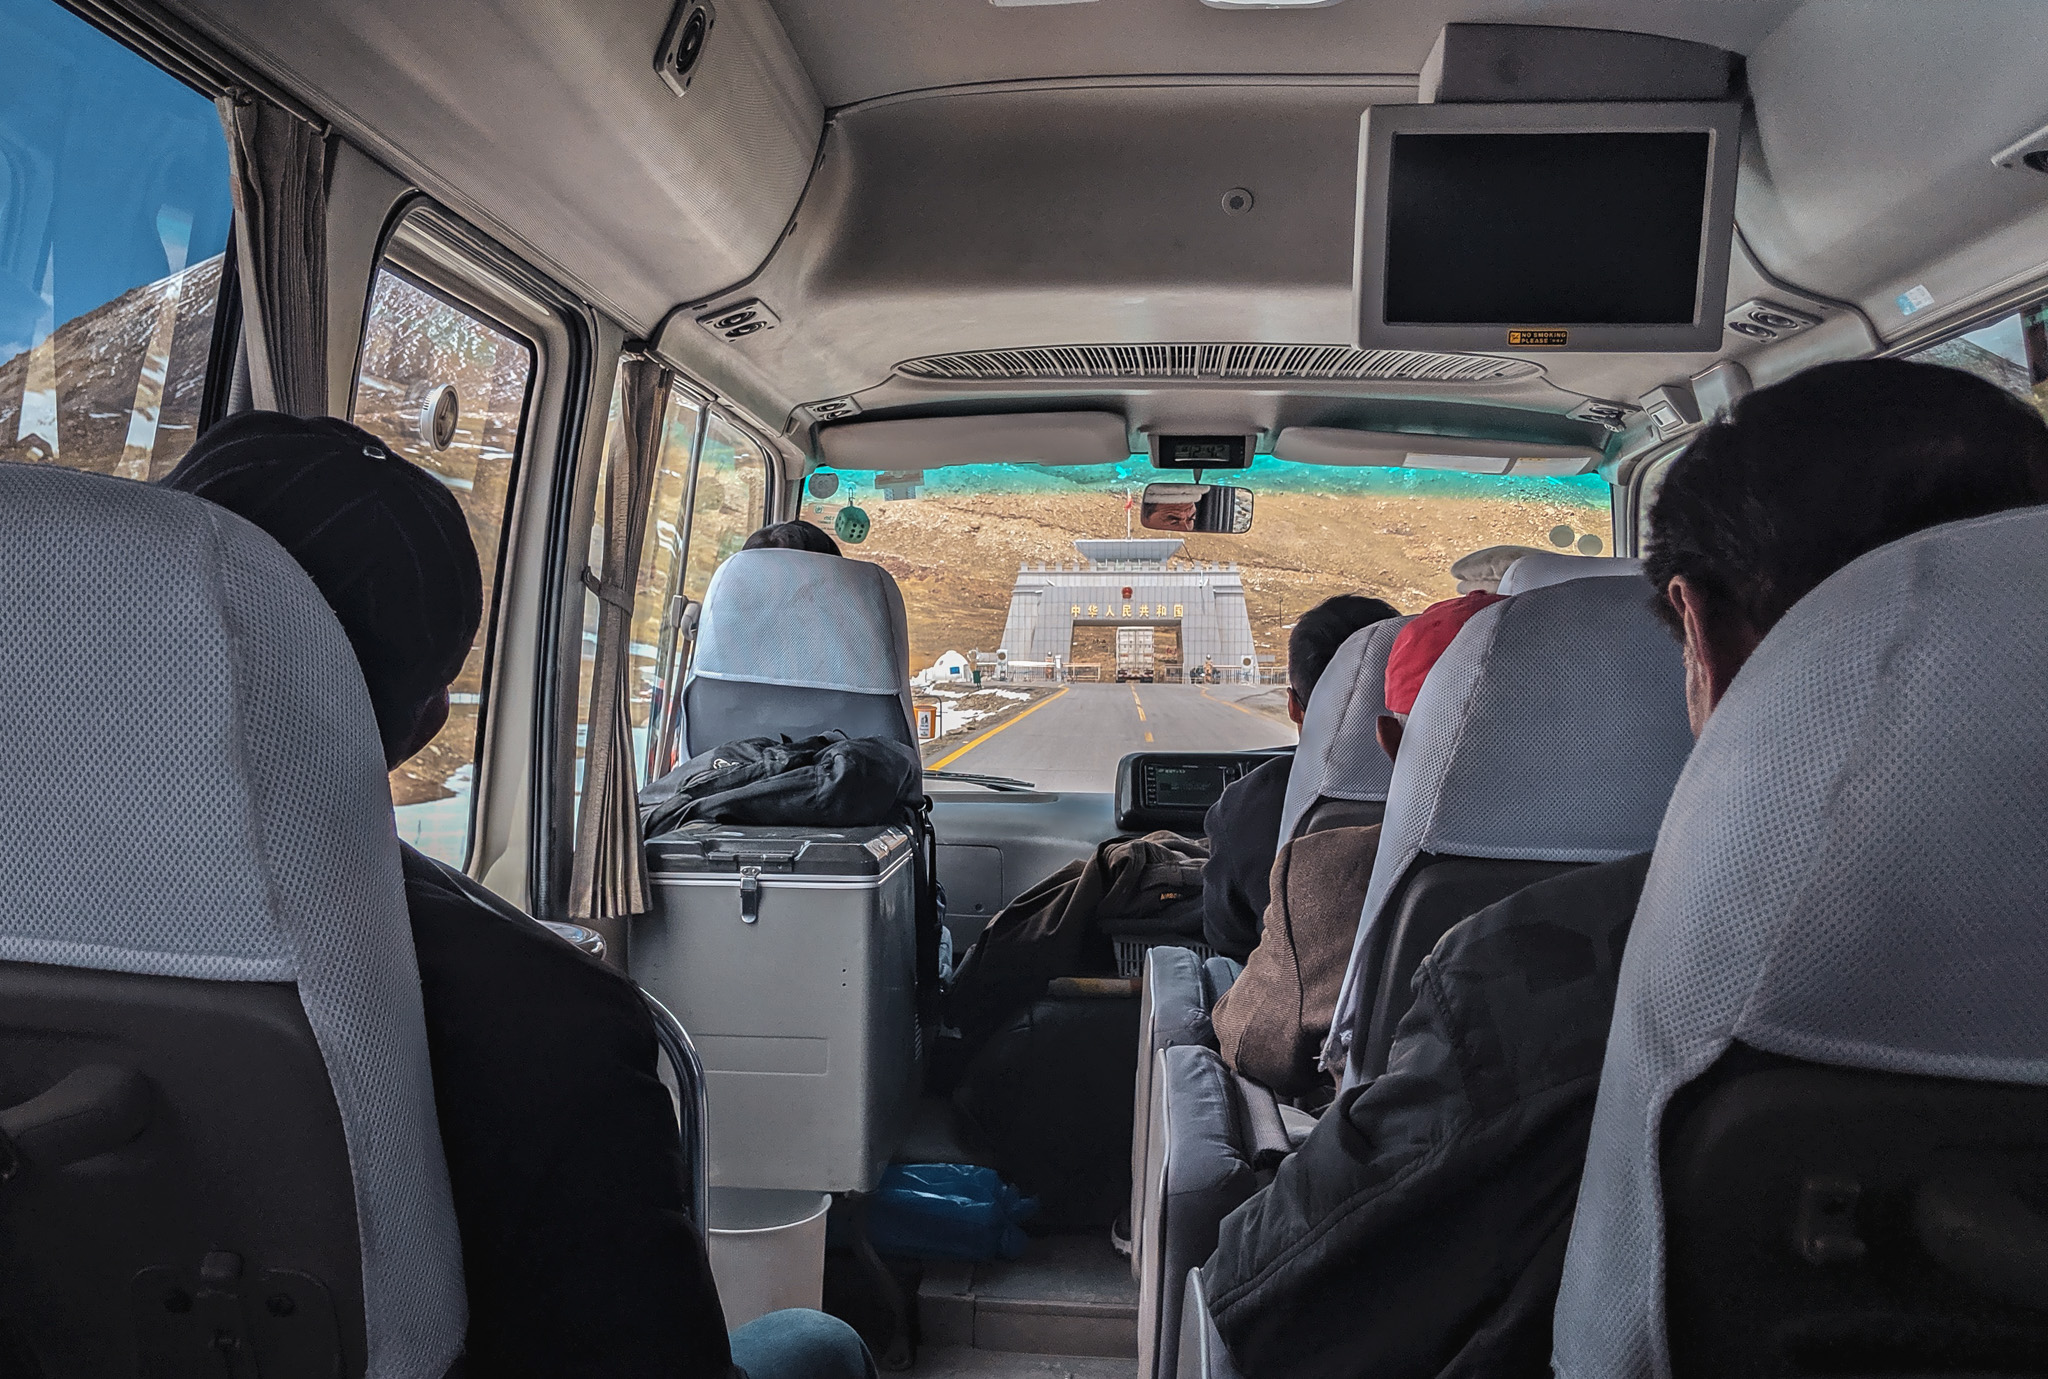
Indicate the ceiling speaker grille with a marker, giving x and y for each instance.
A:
(1224, 363)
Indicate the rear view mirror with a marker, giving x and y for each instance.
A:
(1196, 508)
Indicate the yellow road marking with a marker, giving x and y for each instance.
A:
(952, 757)
(1148, 737)
(1232, 703)
(1141, 713)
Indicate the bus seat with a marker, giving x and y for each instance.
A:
(798, 643)
(1340, 773)
(1850, 883)
(1175, 995)
(217, 1122)
(1339, 779)
(1541, 569)
(1548, 736)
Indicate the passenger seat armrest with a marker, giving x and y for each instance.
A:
(1266, 1140)
(1220, 974)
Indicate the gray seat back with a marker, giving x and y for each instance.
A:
(1339, 756)
(218, 1108)
(1550, 730)
(1851, 872)
(1541, 569)
(795, 642)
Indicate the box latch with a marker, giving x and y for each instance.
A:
(750, 894)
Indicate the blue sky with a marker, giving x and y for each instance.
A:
(101, 154)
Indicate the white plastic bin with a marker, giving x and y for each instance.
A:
(767, 1249)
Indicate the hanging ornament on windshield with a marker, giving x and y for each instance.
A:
(851, 525)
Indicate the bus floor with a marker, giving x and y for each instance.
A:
(1069, 1307)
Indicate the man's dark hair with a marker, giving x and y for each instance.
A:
(797, 535)
(1321, 630)
(1806, 475)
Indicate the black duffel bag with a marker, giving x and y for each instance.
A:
(829, 781)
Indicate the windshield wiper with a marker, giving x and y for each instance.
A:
(1004, 783)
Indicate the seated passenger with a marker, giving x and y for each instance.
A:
(1243, 827)
(1421, 1229)
(794, 535)
(1271, 1024)
(563, 1155)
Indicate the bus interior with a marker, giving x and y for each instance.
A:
(959, 282)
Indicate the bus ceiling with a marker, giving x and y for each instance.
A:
(946, 225)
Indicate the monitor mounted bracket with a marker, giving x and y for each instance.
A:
(1492, 63)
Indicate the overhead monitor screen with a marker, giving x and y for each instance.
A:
(1557, 229)
(1538, 227)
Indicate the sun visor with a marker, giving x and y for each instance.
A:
(1339, 445)
(1011, 438)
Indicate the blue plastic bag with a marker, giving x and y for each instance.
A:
(948, 1211)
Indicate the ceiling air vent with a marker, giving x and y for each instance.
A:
(833, 409)
(736, 322)
(1221, 363)
(1762, 320)
(1612, 415)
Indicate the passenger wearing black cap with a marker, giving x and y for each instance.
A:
(563, 1156)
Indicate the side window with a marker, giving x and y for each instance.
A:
(114, 212)
(2011, 352)
(654, 585)
(710, 493)
(654, 664)
(727, 504)
(447, 389)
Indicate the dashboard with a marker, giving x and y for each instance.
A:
(1173, 790)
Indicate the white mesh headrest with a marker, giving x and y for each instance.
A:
(780, 617)
(1551, 729)
(1541, 569)
(199, 791)
(1339, 756)
(1852, 871)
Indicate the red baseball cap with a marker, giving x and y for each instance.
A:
(1419, 644)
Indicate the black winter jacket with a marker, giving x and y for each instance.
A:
(1420, 1231)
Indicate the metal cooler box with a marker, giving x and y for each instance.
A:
(789, 954)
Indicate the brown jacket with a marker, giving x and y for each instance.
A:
(1271, 1024)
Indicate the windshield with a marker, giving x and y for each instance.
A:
(1050, 634)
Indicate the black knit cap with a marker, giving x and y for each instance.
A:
(384, 541)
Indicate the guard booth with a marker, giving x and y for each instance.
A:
(1132, 583)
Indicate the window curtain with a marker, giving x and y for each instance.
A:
(278, 167)
(608, 875)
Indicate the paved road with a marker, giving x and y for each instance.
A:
(1074, 740)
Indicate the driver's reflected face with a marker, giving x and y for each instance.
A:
(1169, 516)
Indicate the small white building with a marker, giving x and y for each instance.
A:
(950, 669)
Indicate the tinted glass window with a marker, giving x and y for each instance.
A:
(659, 559)
(655, 666)
(1026, 582)
(2011, 352)
(447, 389)
(114, 212)
(732, 495)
